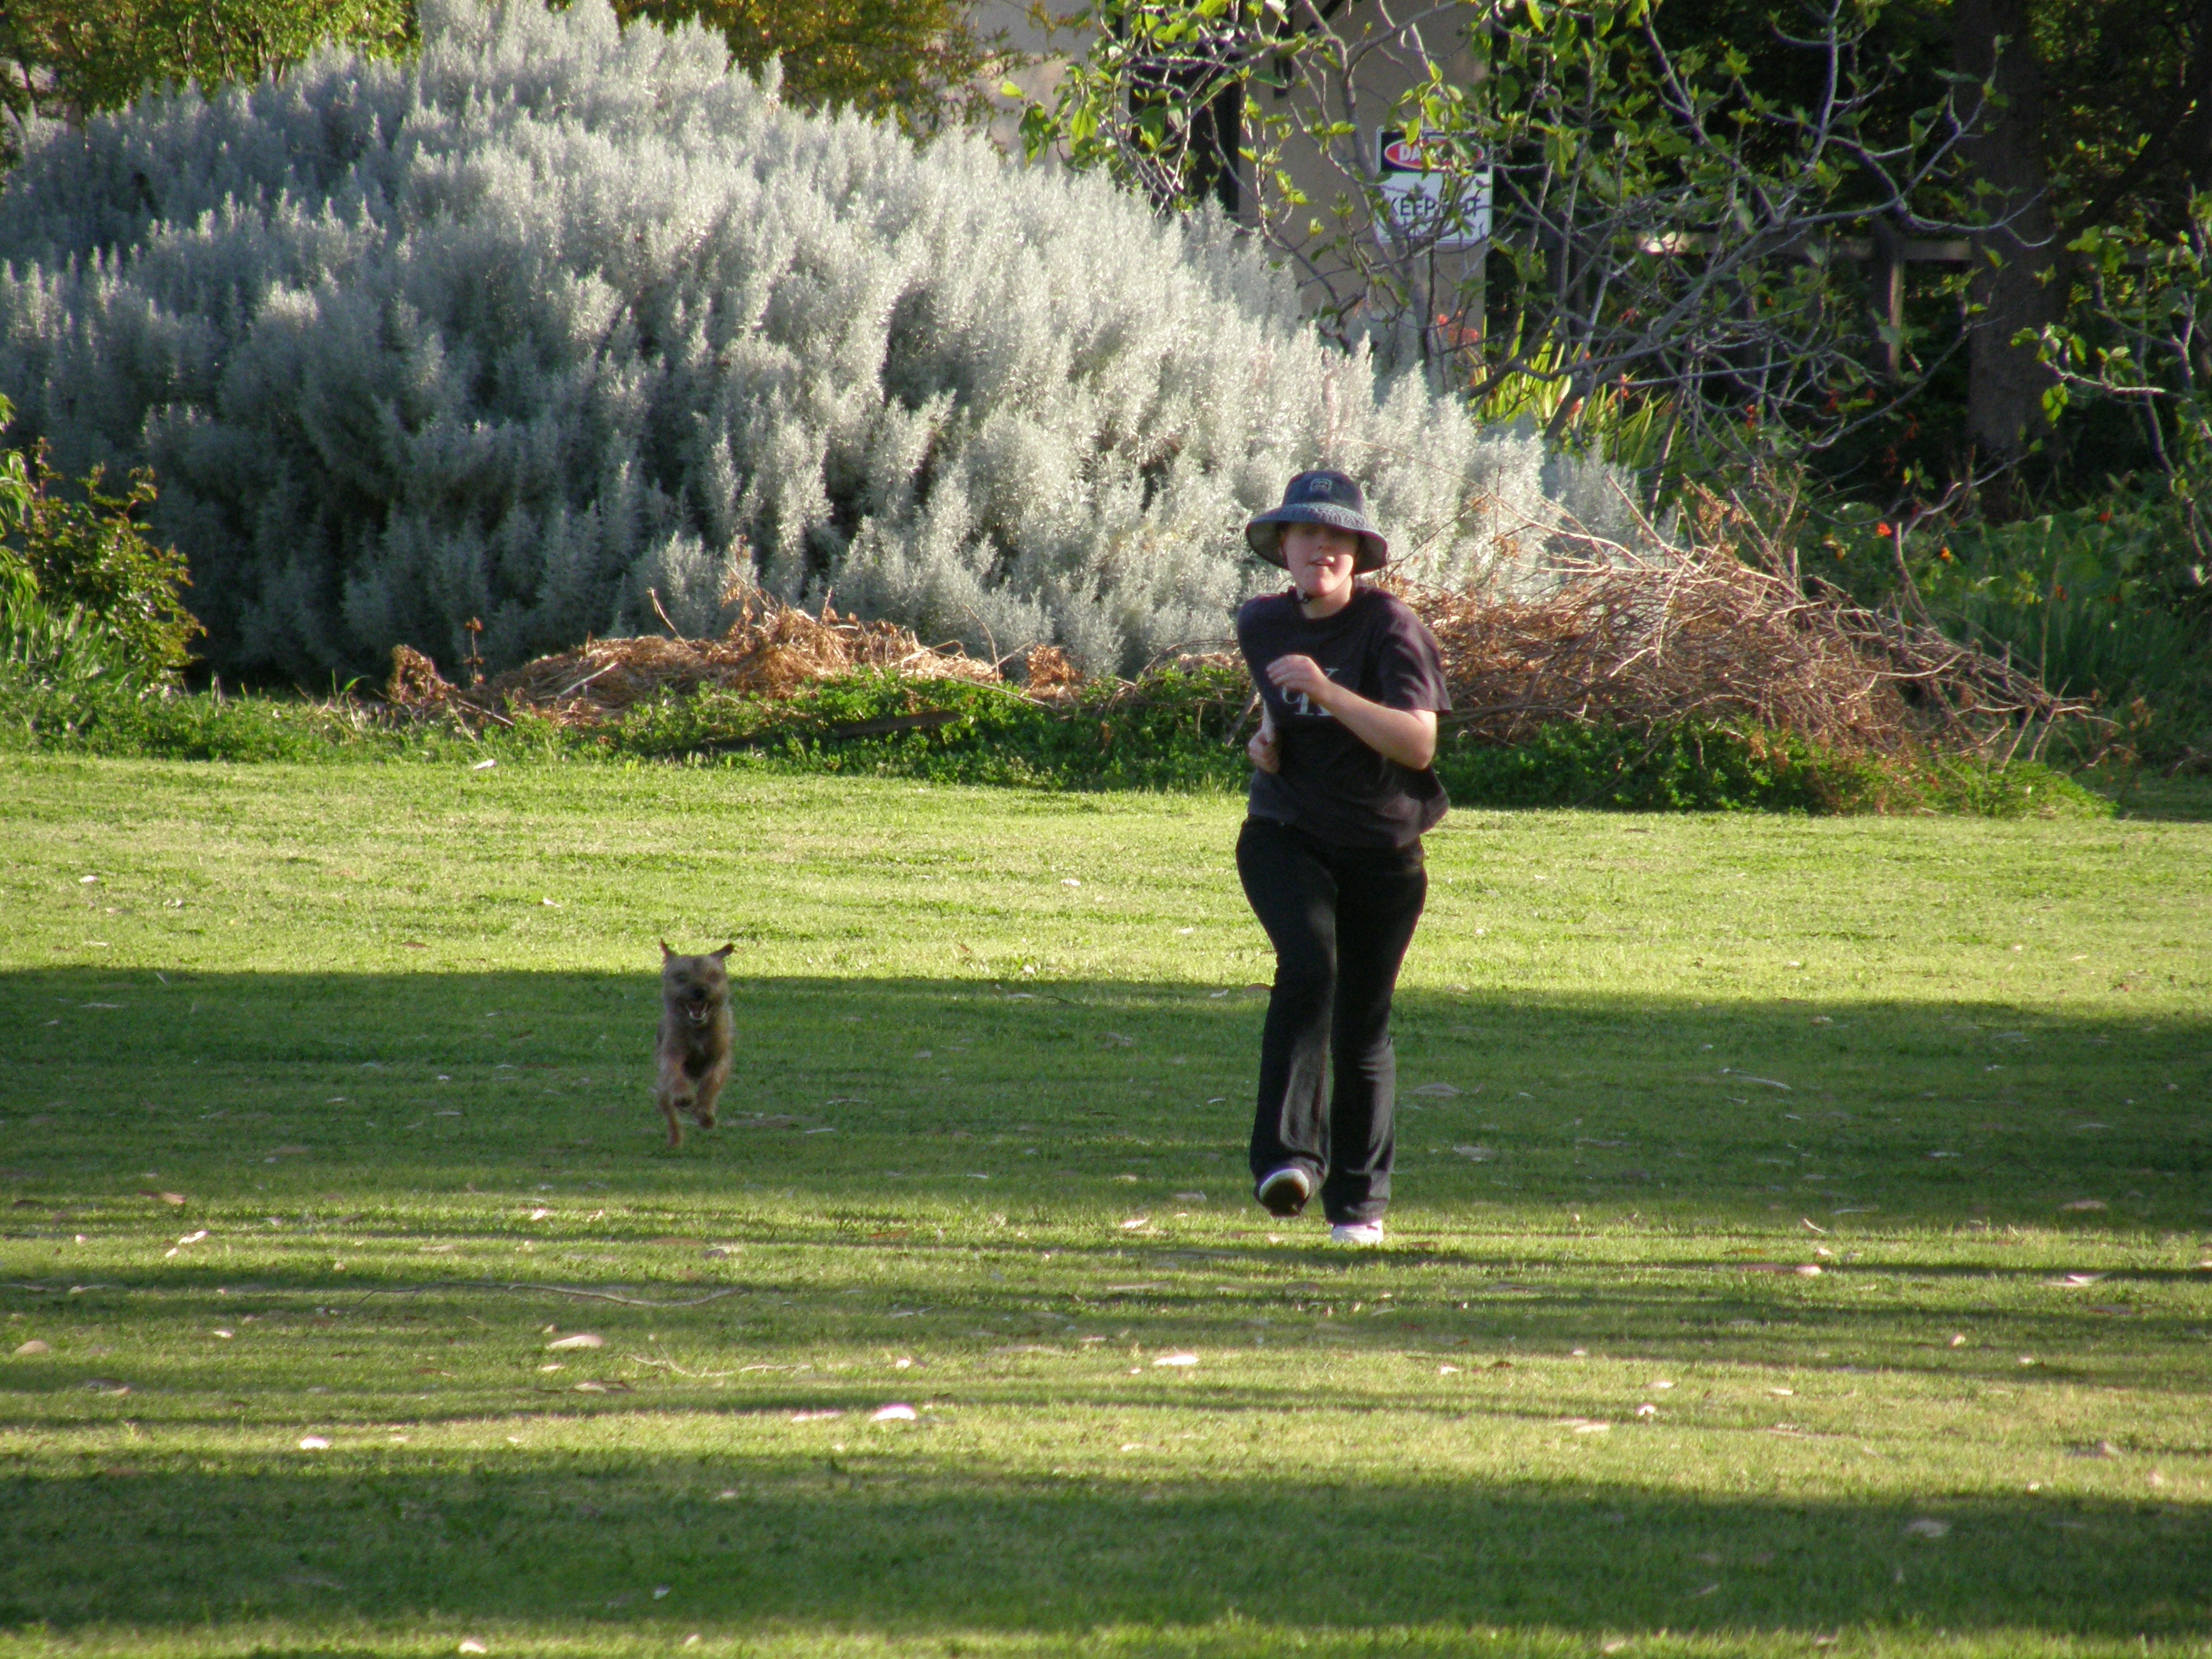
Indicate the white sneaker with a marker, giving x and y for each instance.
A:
(1285, 1192)
(1356, 1232)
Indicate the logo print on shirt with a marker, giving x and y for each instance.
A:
(1300, 703)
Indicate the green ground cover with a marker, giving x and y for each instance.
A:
(324, 1115)
(1171, 731)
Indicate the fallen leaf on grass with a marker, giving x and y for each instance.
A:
(581, 1339)
(893, 1414)
(1135, 1222)
(473, 1644)
(106, 1385)
(1479, 1154)
(167, 1198)
(591, 1387)
(1707, 1590)
(1177, 1359)
(1926, 1528)
(313, 1442)
(1647, 1409)
(815, 1417)
(2099, 1448)
(31, 1348)
(2082, 1205)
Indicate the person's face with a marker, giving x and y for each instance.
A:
(1319, 558)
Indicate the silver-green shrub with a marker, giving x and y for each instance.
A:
(559, 320)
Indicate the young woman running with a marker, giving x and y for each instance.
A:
(1350, 684)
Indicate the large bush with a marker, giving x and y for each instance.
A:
(557, 319)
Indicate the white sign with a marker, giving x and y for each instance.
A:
(1436, 193)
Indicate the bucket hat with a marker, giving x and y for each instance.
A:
(1320, 497)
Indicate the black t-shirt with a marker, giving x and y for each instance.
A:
(1332, 785)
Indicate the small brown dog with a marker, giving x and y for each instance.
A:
(695, 1036)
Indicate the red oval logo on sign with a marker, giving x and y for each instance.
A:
(1400, 154)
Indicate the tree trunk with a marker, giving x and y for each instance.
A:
(2016, 288)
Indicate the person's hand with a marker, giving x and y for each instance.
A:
(1300, 675)
(1266, 749)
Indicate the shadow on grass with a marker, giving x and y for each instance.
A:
(862, 1541)
(954, 1116)
(870, 1093)
(2184, 799)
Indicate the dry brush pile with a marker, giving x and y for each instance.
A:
(1642, 644)
(771, 650)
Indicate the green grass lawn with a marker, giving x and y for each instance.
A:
(325, 1115)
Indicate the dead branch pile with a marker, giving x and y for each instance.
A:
(1639, 643)
(771, 650)
(1702, 636)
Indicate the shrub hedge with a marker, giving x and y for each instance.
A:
(1176, 730)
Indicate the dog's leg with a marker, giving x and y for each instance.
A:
(670, 1098)
(710, 1091)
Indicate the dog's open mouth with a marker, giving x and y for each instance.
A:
(699, 1011)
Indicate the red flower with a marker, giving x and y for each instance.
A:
(1882, 530)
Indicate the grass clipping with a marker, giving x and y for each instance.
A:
(1694, 635)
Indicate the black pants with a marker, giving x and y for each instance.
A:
(1340, 919)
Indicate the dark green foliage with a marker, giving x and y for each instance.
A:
(92, 558)
(2103, 602)
(1172, 730)
(1176, 730)
(1684, 768)
(112, 715)
(1700, 767)
(70, 59)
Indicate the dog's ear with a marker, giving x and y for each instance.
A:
(664, 952)
(723, 954)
